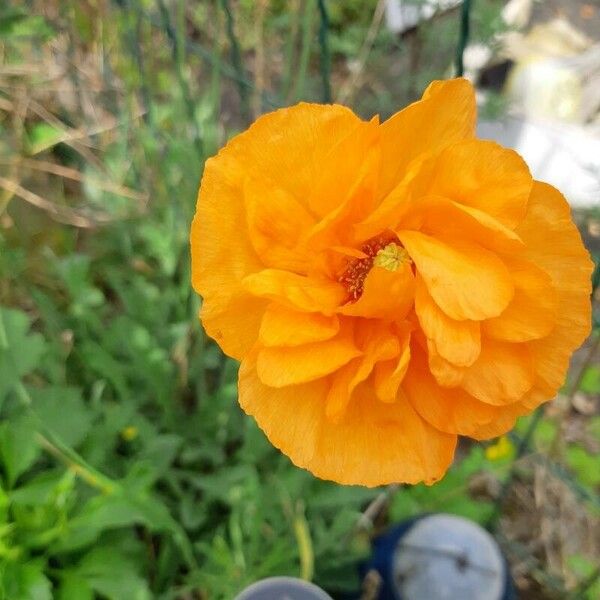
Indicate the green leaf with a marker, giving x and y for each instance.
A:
(160, 451)
(590, 382)
(113, 575)
(18, 446)
(544, 434)
(43, 136)
(99, 360)
(37, 491)
(15, 23)
(593, 427)
(329, 497)
(74, 270)
(75, 587)
(404, 506)
(25, 582)
(99, 514)
(581, 565)
(20, 352)
(63, 411)
(585, 465)
(4, 506)
(108, 512)
(450, 495)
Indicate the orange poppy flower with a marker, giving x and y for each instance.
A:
(386, 286)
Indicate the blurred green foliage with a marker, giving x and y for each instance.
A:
(127, 469)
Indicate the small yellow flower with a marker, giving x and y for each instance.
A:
(129, 433)
(501, 449)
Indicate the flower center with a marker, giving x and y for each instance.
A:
(382, 251)
(391, 257)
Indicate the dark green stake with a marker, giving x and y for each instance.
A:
(325, 62)
(463, 40)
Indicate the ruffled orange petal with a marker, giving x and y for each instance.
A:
(218, 268)
(401, 201)
(289, 146)
(554, 244)
(446, 374)
(221, 321)
(273, 149)
(465, 280)
(532, 312)
(458, 342)
(389, 374)
(502, 374)
(342, 384)
(377, 342)
(353, 159)
(446, 114)
(282, 326)
(450, 410)
(440, 216)
(335, 230)
(279, 367)
(276, 220)
(485, 176)
(296, 291)
(502, 422)
(374, 444)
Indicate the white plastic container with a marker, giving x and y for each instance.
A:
(283, 588)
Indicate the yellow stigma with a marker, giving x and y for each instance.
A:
(391, 257)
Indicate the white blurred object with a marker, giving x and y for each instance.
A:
(564, 155)
(446, 557)
(556, 37)
(283, 588)
(402, 15)
(567, 89)
(556, 73)
(517, 13)
(475, 58)
(546, 88)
